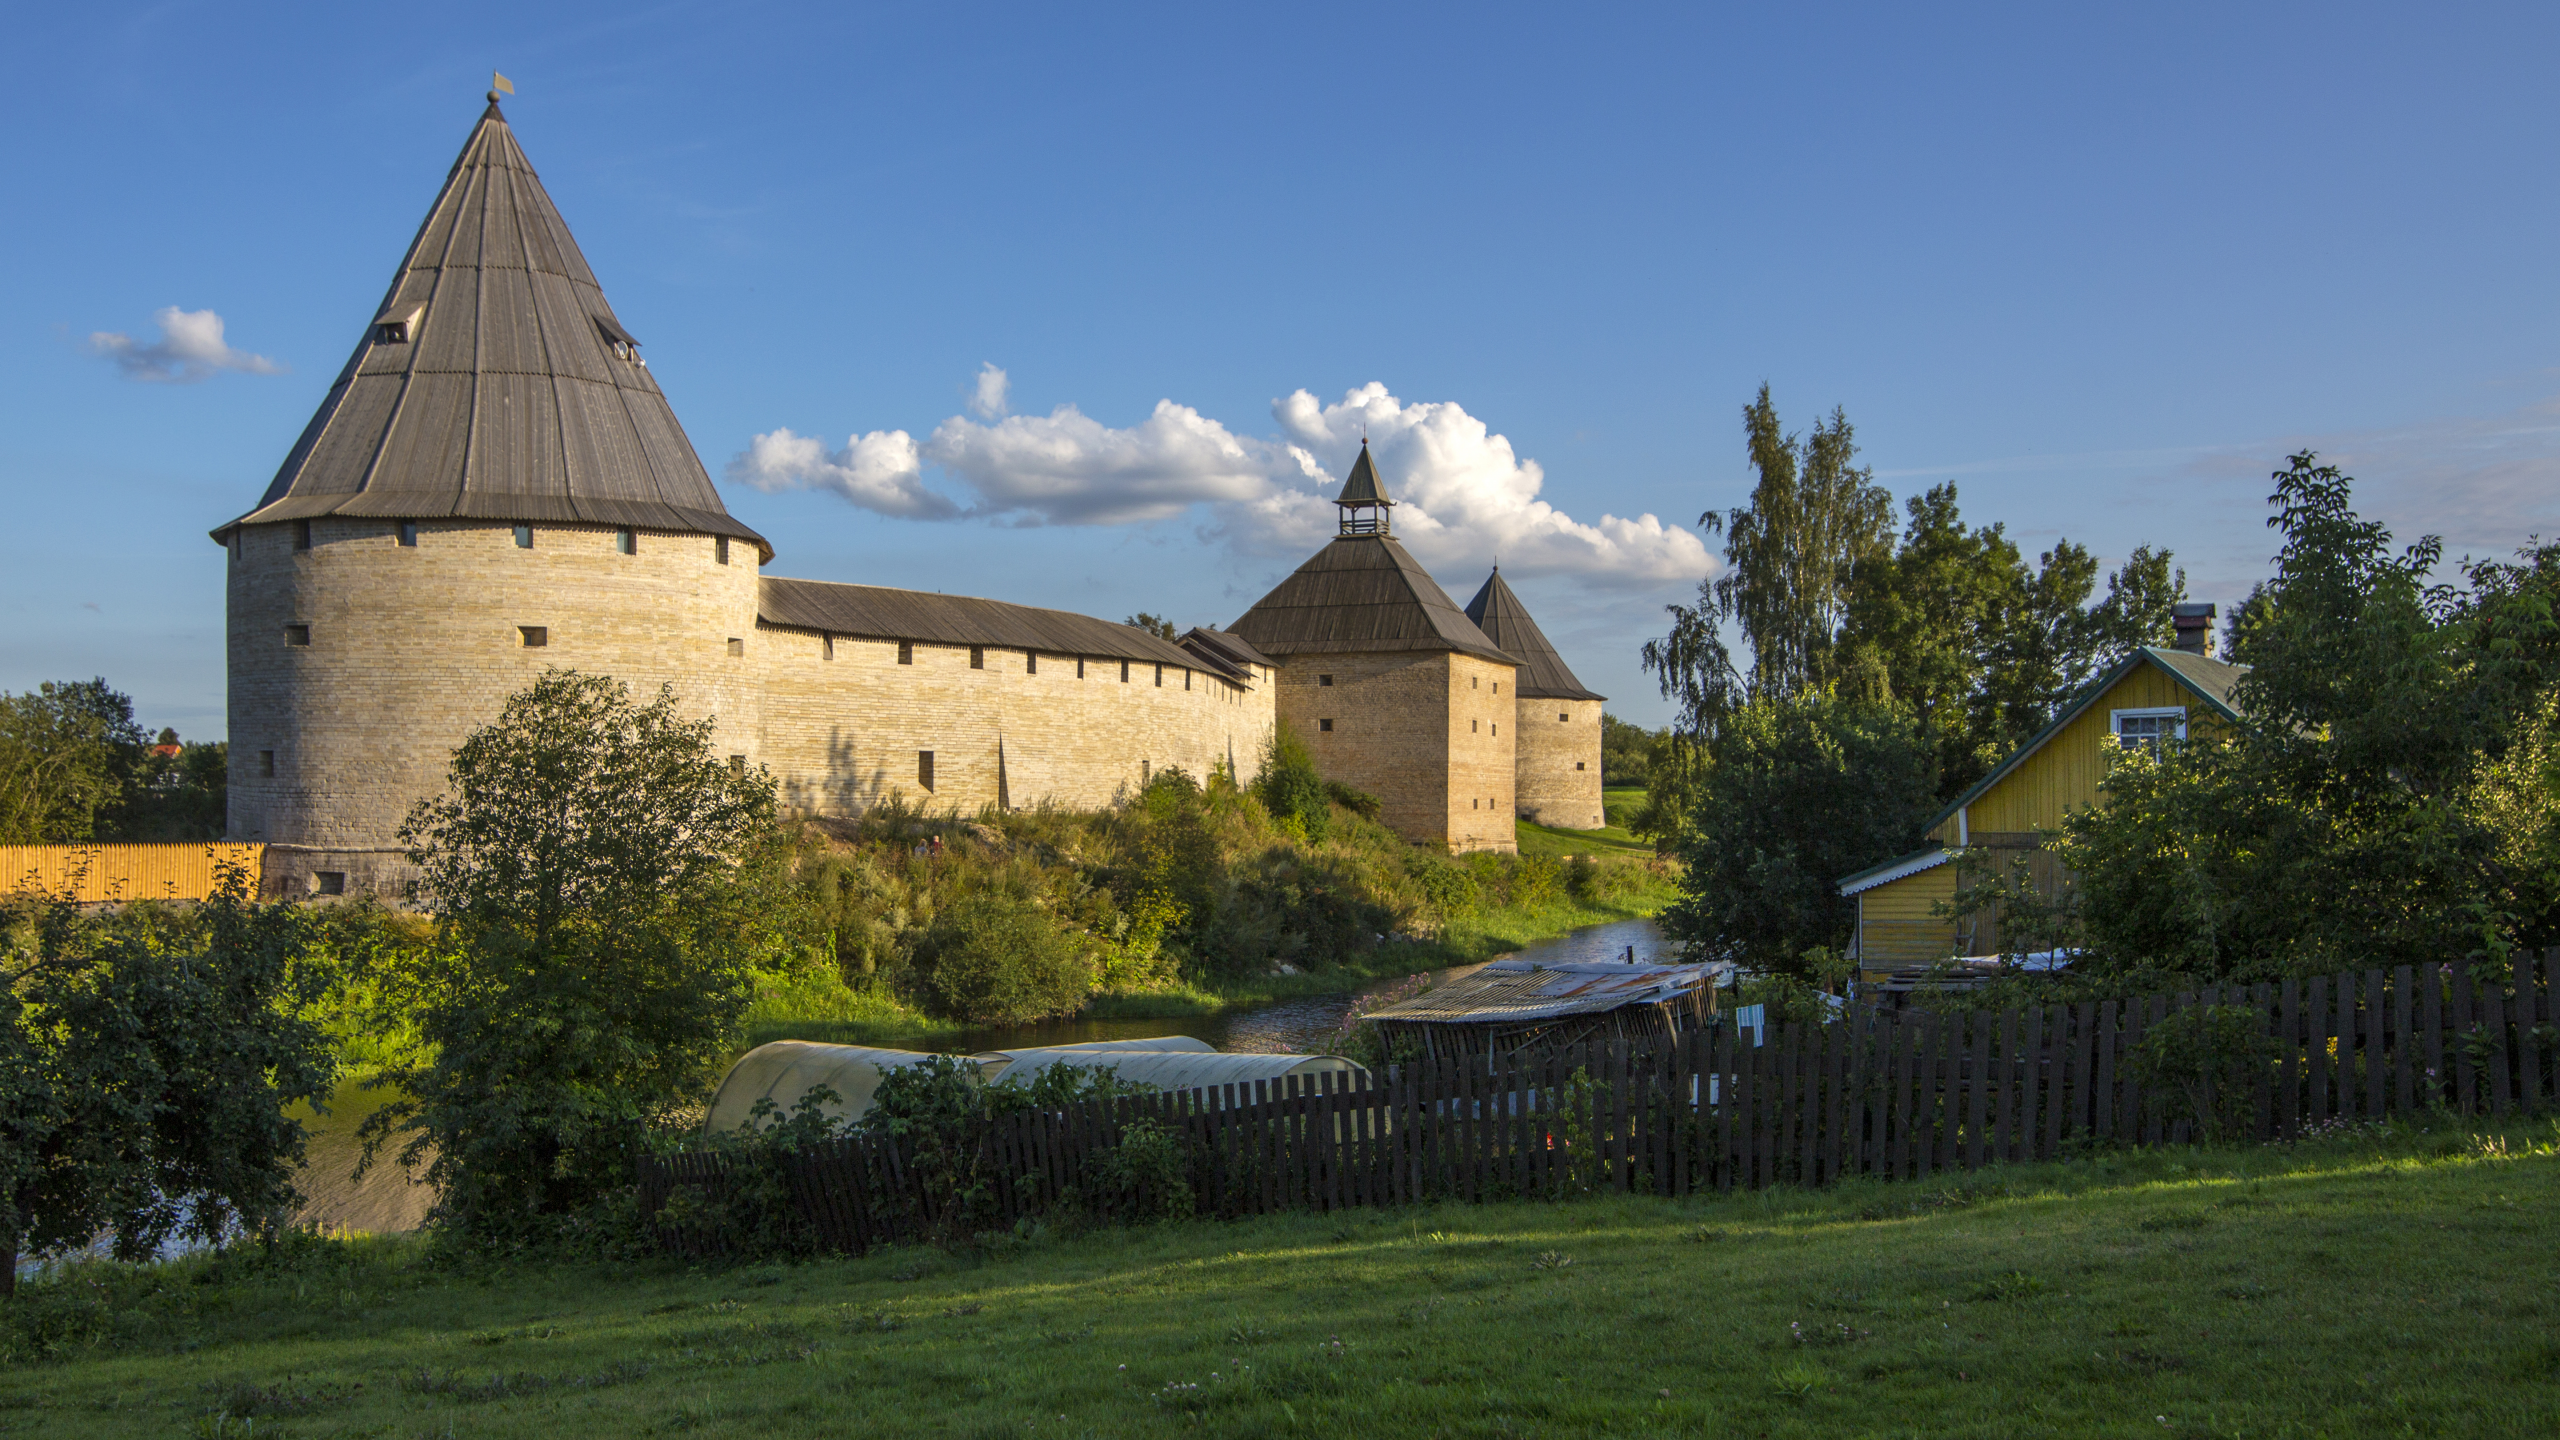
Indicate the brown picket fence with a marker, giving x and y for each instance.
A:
(1900, 1095)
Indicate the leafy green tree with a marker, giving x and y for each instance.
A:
(68, 751)
(602, 885)
(146, 1070)
(1626, 752)
(2387, 796)
(1790, 555)
(1155, 625)
(1798, 792)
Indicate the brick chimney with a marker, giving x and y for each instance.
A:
(2194, 621)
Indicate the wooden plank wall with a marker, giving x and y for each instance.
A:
(93, 874)
(1895, 1095)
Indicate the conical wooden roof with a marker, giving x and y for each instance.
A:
(1362, 593)
(1505, 621)
(496, 383)
(1362, 486)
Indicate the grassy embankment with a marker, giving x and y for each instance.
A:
(830, 1013)
(2398, 1283)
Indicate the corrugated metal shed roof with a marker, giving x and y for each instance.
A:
(879, 613)
(507, 399)
(1508, 991)
(1505, 621)
(1362, 593)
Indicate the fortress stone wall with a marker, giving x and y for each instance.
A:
(1559, 764)
(359, 663)
(846, 725)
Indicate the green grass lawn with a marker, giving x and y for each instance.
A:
(1557, 842)
(2393, 1284)
(1619, 803)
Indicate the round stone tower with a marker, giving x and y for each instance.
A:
(494, 485)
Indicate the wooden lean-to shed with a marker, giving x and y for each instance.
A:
(1514, 1005)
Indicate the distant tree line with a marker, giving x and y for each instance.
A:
(75, 766)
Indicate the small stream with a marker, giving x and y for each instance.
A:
(1307, 1022)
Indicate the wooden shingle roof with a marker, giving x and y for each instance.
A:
(496, 383)
(1505, 621)
(1362, 593)
(877, 612)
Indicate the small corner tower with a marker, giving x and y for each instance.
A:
(1558, 721)
(1393, 688)
(494, 484)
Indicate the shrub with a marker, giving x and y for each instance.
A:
(997, 959)
(1291, 789)
(2203, 1064)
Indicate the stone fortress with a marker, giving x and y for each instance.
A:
(495, 485)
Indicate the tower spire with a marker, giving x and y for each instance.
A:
(1364, 499)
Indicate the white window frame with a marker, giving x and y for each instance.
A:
(2116, 719)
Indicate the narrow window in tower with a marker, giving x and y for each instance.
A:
(409, 533)
(720, 548)
(977, 657)
(1030, 662)
(737, 764)
(627, 541)
(1497, 687)
(906, 652)
(1325, 725)
(1473, 725)
(235, 544)
(1159, 677)
(1079, 667)
(534, 636)
(297, 634)
(1577, 764)
(1563, 716)
(267, 763)
(1475, 682)
(924, 769)
(1324, 679)
(1186, 679)
(737, 645)
(524, 537)
(826, 647)
(1497, 727)
(328, 882)
(301, 534)
(1124, 672)
(1474, 804)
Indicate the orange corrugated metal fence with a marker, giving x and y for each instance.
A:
(92, 873)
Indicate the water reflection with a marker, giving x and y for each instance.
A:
(1309, 1022)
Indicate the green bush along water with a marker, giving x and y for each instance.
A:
(1188, 899)
(2382, 1281)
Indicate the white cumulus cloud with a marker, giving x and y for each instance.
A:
(1465, 498)
(190, 348)
(990, 396)
(1066, 468)
(877, 471)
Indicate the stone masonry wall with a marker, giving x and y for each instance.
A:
(1420, 730)
(411, 647)
(844, 723)
(1559, 767)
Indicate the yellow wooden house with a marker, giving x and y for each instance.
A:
(2151, 697)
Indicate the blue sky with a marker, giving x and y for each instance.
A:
(2102, 270)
